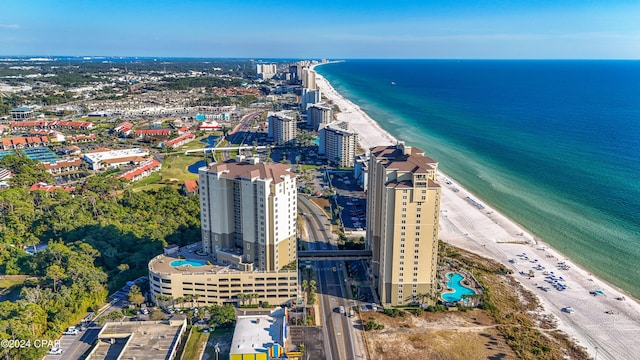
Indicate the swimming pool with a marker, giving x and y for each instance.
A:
(190, 262)
(459, 290)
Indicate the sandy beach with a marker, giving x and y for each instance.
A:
(607, 324)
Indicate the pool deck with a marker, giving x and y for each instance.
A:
(476, 290)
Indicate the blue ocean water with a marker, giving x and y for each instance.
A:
(555, 145)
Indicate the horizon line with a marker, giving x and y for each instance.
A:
(98, 57)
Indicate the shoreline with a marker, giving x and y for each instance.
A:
(489, 233)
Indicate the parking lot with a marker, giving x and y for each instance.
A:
(352, 200)
(312, 339)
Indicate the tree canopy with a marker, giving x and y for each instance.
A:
(99, 236)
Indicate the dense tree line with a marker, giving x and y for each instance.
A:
(187, 83)
(9, 102)
(99, 236)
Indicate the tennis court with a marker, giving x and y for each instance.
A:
(5, 153)
(41, 154)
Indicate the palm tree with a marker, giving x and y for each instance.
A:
(242, 298)
(189, 298)
(253, 296)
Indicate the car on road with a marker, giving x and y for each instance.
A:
(55, 351)
(568, 310)
(341, 309)
(72, 330)
(334, 269)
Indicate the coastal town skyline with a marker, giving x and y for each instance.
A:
(466, 30)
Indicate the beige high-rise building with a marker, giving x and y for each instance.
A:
(248, 214)
(309, 79)
(403, 208)
(318, 115)
(266, 71)
(248, 220)
(282, 127)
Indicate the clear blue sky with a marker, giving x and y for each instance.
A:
(515, 29)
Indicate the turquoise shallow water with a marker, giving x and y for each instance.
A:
(190, 262)
(555, 145)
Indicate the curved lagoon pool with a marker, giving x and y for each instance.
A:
(190, 262)
(459, 290)
(193, 168)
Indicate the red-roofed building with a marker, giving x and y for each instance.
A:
(81, 138)
(123, 128)
(183, 130)
(151, 132)
(50, 188)
(79, 125)
(190, 187)
(63, 166)
(24, 142)
(179, 141)
(142, 171)
(55, 124)
(24, 125)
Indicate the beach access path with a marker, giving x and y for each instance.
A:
(607, 327)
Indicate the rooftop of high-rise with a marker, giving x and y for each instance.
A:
(404, 158)
(251, 170)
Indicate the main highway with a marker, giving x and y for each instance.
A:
(338, 328)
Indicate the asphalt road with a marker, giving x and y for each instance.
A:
(73, 346)
(337, 327)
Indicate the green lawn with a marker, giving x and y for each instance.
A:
(174, 172)
(7, 281)
(175, 167)
(151, 179)
(103, 126)
(148, 187)
(196, 342)
(193, 145)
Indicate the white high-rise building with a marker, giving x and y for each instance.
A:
(319, 115)
(403, 213)
(282, 127)
(248, 214)
(309, 97)
(266, 71)
(338, 144)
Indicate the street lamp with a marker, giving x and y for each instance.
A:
(217, 349)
